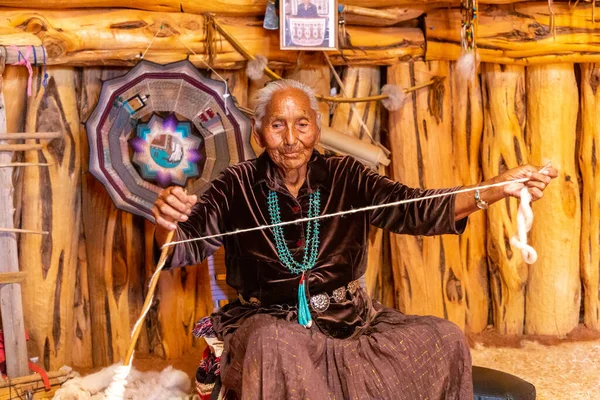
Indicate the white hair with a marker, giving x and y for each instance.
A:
(264, 96)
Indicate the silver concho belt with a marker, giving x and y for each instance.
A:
(321, 301)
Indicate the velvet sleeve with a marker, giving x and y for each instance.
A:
(207, 219)
(428, 217)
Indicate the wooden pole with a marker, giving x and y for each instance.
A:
(503, 147)
(554, 289)
(30, 135)
(467, 130)
(51, 201)
(11, 306)
(589, 154)
(20, 147)
(427, 270)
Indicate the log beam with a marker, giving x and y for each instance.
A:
(220, 7)
(518, 34)
(118, 37)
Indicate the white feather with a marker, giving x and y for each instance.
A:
(256, 68)
(395, 99)
(466, 66)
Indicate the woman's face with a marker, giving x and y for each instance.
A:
(290, 129)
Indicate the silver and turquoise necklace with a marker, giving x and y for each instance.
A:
(311, 248)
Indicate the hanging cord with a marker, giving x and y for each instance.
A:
(225, 95)
(24, 60)
(346, 212)
(151, 43)
(45, 80)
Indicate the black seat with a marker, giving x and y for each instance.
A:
(489, 384)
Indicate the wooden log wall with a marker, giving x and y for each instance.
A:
(94, 266)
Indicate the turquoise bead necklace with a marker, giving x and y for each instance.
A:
(311, 248)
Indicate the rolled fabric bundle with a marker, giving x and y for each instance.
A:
(340, 143)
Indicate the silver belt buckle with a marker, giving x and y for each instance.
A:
(321, 301)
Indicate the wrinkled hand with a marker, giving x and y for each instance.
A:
(172, 206)
(538, 181)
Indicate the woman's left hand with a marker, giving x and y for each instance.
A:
(538, 180)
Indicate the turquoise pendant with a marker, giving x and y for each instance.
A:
(304, 317)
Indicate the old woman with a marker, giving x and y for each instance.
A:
(302, 327)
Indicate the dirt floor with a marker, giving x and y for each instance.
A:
(560, 369)
(567, 368)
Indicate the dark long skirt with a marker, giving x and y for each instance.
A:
(400, 357)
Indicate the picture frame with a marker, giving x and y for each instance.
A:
(308, 24)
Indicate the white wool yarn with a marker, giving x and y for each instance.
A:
(524, 223)
(127, 384)
(396, 97)
(256, 68)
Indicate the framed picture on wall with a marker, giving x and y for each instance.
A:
(308, 24)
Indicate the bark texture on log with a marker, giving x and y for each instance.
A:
(118, 37)
(589, 154)
(503, 147)
(219, 7)
(467, 130)
(114, 249)
(52, 202)
(427, 270)
(518, 34)
(554, 289)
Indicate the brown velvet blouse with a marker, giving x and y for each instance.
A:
(237, 199)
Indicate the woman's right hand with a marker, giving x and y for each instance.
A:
(173, 205)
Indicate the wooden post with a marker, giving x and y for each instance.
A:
(363, 82)
(114, 251)
(427, 270)
(503, 147)
(51, 202)
(11, 306)
(554, 289)
(589, 154)
(467, 130)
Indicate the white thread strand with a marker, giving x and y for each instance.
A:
(524, 223)
(356, 210)
(116, 389)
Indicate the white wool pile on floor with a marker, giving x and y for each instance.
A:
(167, 384)
(565, 371)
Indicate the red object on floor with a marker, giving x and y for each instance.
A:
(33, 367)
